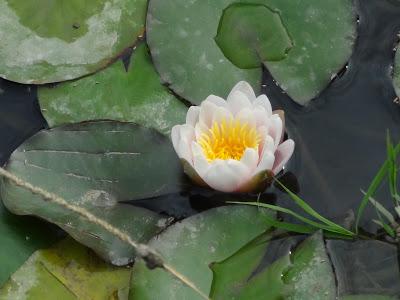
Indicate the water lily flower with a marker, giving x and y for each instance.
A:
(233, 145)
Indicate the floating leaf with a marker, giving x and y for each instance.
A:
(249, 34)
(299, 275)
(66, 271)
(365, 267)
(135, 95)
(50, 41)
(20, 237)
(191, 245)
(181, 36)
(95, 165)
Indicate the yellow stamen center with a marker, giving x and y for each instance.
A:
(228, 140)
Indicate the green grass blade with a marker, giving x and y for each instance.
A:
(308, 209)
(381, 209)
(397, 209)
(389, 230)
(376, 182)
(392, 167)
(303, 229)
(299, 217)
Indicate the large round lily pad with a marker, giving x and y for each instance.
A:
(133, 95)
(181, 35)
(191, 245)
(49, 41)
(95, 165)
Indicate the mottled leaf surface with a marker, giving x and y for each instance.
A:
(304, 274)
(96, 166)
(133, 95)
(191, 245)
(181, 36)
(66, 271)
(49, 41)
(19, 238)
(249, 34)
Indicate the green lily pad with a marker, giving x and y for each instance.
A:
(323, 42)
(249, 34)
(304, 274)
(396, 73)
(191, 245)
(49, 41)
(181, 36)
(135, 95)
(95, 165)
(66, 271)
(20, 237)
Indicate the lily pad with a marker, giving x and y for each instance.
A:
(49, 41)
(95, 165)
(133, 95)
(191, 245)
(304, 274)
(249, 34)
(20, 237)
(66, 271)
(181, 36)
(396, 74)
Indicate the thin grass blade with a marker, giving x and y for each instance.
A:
(376, 182)
(308, 209)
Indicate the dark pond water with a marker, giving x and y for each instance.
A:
(340, 145)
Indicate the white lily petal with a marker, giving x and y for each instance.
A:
(185, 151)
(200, 129)
(282, 155)
(260, 116)
(245, 88)
(221, 114)
(207, 109)
(186, 132)
(175, 137)
(266, 162)
(263, 101)
(250, 158)
(186, 136)
(200, 163)
(192, 116)
(276, 129)
(238, 101)
(246, 115)
(217, 101)
(226, 175)
(268, 144)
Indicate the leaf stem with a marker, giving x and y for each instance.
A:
(151, 257)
